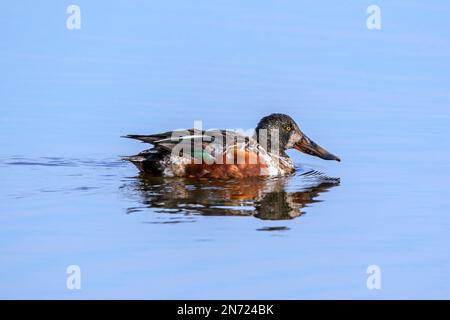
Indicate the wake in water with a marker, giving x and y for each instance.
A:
(61, 162)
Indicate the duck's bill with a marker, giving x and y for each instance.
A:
(308, 146)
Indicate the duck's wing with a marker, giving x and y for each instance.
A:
(151, 138)
(212, 142)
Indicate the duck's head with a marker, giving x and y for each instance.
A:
(289, 136)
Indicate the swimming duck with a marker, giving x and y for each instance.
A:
(224, 154)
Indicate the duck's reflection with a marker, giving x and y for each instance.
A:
(263, 198)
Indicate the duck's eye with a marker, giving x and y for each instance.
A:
(288, 128)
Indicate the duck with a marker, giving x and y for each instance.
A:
(226, 154)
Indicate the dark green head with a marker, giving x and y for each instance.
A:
(280, 130)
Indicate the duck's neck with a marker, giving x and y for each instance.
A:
(280, 157)
(287, 164)
(284, 163)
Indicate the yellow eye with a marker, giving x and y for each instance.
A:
(288, 128)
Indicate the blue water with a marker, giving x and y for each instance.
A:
(379, 99)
